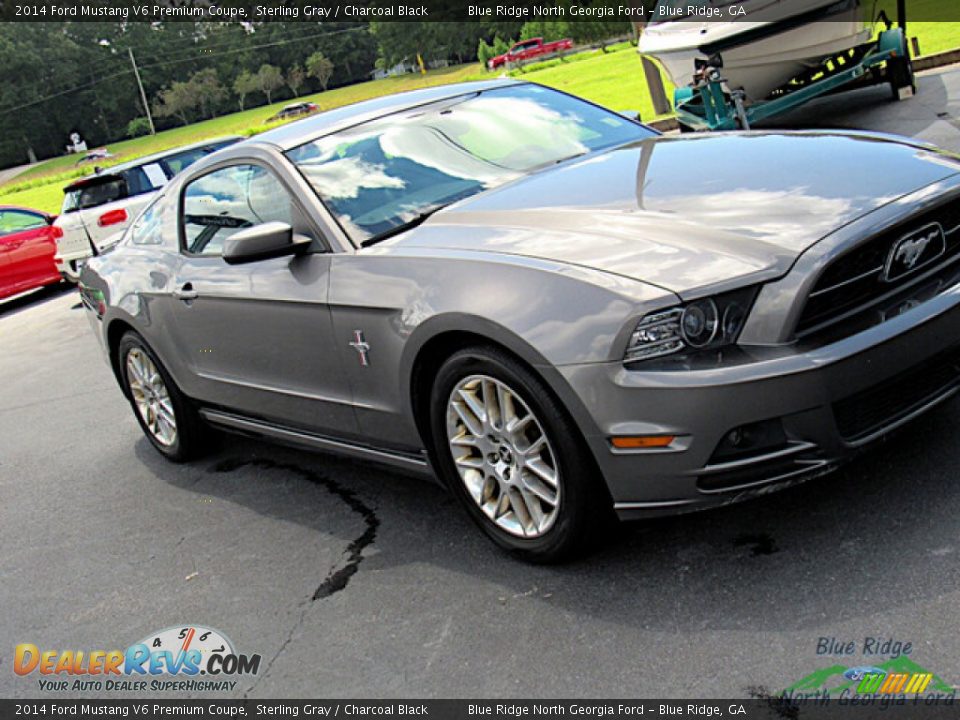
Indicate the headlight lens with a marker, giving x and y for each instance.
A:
(702, 324)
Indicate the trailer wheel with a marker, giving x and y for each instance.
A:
(900, 73)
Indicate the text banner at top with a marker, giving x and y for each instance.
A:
(638, 11)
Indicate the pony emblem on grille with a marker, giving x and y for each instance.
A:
(914, 250)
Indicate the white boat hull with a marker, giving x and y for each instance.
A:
(757, 67)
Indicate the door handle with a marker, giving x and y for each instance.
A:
(186, 293)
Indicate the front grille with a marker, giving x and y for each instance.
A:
(870, 410)
(855, 282)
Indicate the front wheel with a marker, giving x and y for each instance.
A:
(166, 416)
(513, 457)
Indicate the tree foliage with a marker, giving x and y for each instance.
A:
(64, 77)
(269, 80)
(244, 84)
(320, 67)
(296, 77)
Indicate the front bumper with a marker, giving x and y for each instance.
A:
(830, 402)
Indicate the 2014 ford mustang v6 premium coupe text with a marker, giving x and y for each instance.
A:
(558, 310)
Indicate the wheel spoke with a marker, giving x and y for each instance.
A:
(151, 397)
(534, 509)
(514, 480)
(533, 449)
(477, 405)
(545, 472)
(464, 440)
(535, 485)
(470, 421)
(517, 424)
(469, 461)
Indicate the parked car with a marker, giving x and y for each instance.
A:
(100, 206)
(528, 50)
(27, 245)
(558, 310)
(294, 111)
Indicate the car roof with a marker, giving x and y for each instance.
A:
(25, 209)
(301, 131)
(114, 170)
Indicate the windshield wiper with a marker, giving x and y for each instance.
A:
(413, 222)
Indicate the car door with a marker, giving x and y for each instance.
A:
(258, 335)
(26, 248)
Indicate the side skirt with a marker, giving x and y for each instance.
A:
(411, 462)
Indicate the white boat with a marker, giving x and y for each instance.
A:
(772, 43)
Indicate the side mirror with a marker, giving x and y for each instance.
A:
(51, 219)
(260, 242)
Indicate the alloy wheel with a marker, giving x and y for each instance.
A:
(503, 456)
(151, 397)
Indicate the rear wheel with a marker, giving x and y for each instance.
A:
(166, 416)
(900, 73)
(513, 457)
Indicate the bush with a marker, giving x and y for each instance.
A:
(484, 53)
(500, 46)
(549, 30)
(137, 127)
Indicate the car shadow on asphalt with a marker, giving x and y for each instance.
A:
(25, 301)
(880, 533)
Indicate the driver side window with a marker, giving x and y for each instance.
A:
(218, 204)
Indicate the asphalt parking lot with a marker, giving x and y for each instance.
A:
(354, 581)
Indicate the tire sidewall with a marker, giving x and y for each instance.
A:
(573, 469)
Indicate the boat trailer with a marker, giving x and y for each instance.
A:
(705, 105)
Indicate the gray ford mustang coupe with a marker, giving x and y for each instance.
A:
(558, 310)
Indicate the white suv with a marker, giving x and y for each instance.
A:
(98, 208)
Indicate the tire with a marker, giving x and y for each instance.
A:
(900, 73)
(153, 394)
(501, 476)
(71, 277)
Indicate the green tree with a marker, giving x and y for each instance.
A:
(484, 52)
(244, 84)
(320, 67)
(269, 78)
(177, 100)
(549, 30)
(296, 77)
(207, 90)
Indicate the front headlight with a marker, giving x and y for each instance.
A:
(704, 324)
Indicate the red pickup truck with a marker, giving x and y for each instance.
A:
(528, 49)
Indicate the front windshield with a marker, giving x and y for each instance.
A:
(382, 174)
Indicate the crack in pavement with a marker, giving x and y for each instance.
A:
(339, 576)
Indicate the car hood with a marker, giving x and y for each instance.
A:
(690, 213)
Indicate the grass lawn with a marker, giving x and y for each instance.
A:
(613, 79)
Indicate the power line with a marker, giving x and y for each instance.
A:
(6, 111)
(250, 47)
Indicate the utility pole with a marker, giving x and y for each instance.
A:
(143, 95)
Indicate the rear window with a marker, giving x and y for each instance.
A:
(90, 196)
(137, 180)
(180, 161)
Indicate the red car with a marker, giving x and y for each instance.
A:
(529, 49)
(28, 242)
